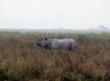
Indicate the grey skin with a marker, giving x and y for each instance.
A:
(67, 44)
(46, 43)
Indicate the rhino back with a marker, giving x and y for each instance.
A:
(62, 43)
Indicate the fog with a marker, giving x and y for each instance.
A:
(54, 14)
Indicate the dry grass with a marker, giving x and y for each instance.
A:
(21, 61)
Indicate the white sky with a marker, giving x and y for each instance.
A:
(75, 14)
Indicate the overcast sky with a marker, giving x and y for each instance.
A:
(75, 14)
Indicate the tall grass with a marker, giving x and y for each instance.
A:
(20, 60)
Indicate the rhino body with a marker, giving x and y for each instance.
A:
(67, 44)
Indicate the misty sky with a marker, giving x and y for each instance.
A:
(75, 14)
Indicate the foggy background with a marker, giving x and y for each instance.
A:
(55, 14)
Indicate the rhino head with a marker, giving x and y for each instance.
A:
(44, 43)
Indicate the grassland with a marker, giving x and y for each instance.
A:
(21, 60)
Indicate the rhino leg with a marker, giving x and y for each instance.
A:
(70, 47)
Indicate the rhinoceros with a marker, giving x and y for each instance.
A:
(67, 44)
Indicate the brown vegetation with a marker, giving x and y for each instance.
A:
(21, 61)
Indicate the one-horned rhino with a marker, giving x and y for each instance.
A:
(66, 43)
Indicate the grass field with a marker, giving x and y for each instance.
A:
(21, 60)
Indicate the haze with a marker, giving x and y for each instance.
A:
(47, 14)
